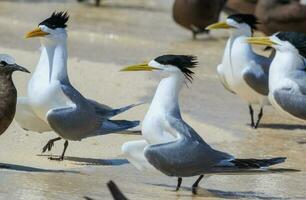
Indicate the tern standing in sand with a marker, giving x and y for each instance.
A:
(242, 71)
(287, 80)
(171, 145)
(53, 103)
(8, 92)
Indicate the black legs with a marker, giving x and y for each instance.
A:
(97, 2)
(50, 144)
(259, 117)
(253, 125)
(195, 185)
(63, 154)
(252, 116)
(179, 182)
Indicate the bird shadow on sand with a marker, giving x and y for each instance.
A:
(23, 168)
(283, 126)
(92, 161)
(210, 193)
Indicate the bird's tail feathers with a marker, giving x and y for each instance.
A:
(117, 111)
(257, 163)
(114, 126)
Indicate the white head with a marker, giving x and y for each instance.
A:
(52, 30)
(290, 42)
(170, 65)
(243, 24)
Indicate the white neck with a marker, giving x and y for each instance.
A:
(53, 61)
(243, 31)
(283, 64)
(237, 52)
(166, 95)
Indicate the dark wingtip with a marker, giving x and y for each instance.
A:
(116, 193)
(277, 160)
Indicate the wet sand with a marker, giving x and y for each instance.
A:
(103, 40)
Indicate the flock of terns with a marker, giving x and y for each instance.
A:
(169, 144)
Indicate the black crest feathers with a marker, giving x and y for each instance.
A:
(57, 20)
(249, 19)
(298, 40)
(183, 62)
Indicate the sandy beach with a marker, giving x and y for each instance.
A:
(102, 41)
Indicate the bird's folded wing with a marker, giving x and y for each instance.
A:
(108, 113)
(223, 79)
(256, 78)
(299, 77)
(292, 102)
(27, 119)
(75, 121)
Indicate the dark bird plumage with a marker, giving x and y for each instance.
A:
(196, 15)
(281, 15)
(8, 94)
(298, 40)
(116, 193)
(183, 62)
(57, 20)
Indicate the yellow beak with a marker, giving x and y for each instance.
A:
(260, 41)
(219, 25)
(139, 67)
(36, 33)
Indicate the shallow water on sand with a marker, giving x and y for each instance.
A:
(103, 40)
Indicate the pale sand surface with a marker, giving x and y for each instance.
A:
(103, 40)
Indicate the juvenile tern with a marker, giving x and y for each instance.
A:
(171, 145)
(242, 71)
(287, 80)
(53, 103)
(8, 92)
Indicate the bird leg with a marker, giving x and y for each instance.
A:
(195, 185)
(194, 35)
(259, 117)
(97, 2)
(252, 116)
(61, 158)
(50, 144)
(179, 182)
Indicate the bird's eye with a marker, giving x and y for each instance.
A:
(3, 63)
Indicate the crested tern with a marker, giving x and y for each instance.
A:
(287, 79)
(8, 92)
(53, 103)
(171, 145)
(242, 71)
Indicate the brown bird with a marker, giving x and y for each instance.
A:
(8, 92)
(196, 15)
(281, 15)
(240, 6)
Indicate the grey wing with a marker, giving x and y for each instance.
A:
(74, 122)
(184, 157)
(223, 79)
(257, 78)
(292, 102)
(188, 132)
(189, 155)
(107, 111)
(299, 77)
